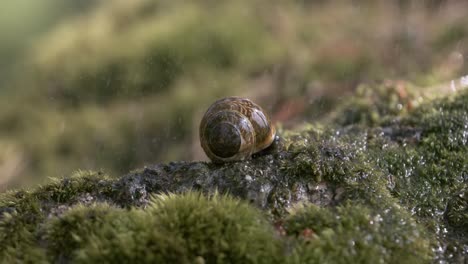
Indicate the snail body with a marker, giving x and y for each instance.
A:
(234, 128)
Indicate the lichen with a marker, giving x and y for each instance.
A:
(392, 190)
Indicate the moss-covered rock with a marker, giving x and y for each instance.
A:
(173, 228)
(391, 190)
(355, 234)
(145, 62)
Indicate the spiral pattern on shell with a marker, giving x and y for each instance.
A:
(234, 128)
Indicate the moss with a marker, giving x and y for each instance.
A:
(443, 123)
(356, 234)
(421, 163)
(18, 236)
(24, 253)
(318, 157)
(184, 229)
(384, 152)
(457, 210)
(147, 53)
(65, 235)
(373, 104)
(21, 214)
(428, 166)
(393, 191)
(24, 211)
(144, 63)
(68, 190)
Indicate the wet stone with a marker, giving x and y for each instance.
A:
(401, 181)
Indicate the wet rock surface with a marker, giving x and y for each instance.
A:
(393, 191)
(261, 181)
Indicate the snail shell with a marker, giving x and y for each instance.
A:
(234, 128)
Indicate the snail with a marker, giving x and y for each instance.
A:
(234, 128)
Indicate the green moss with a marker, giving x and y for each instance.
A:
(66, 234)
(67, 190)
(394, 191)
(417, 159)
(356, 234)
(150, 53)
(144, 64)
(431, 163)
(24, 211)
(443, 123)
(24, 253)
(387, 170)
(18, 237)
(373, 104)
(322, 161)
(457, 210)
(427, 167)
(184, 229)
(21, 215)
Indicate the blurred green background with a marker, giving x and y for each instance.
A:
(116, 85)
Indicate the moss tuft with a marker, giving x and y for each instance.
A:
(18, 226)
(174, 228)
(356, 234)
(457, 210)
(23, 212)
(374, 103)
(69, 189)
(71, 231)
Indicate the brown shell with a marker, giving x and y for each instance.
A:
(234, 128)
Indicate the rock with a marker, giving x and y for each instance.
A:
(357, 191)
